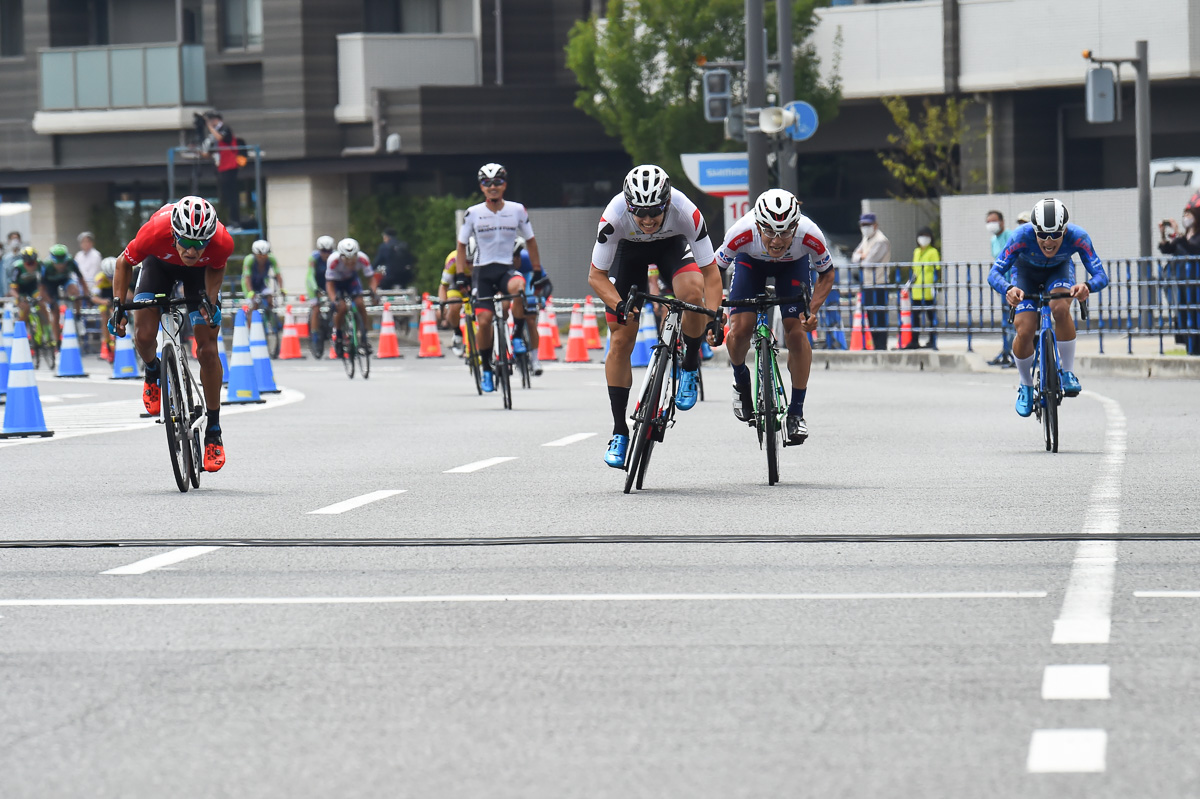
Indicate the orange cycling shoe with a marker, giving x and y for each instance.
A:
(214, 451)
(152, 398)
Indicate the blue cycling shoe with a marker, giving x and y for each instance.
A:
(1024, 400)
(688, 393)
(615, 457)
(1070, 383)
(519, 346)
(489, 386)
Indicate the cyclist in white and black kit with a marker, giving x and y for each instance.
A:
(495, 224)
(650, 223)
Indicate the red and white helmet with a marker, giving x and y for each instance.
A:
(194, 218)
(777, 211)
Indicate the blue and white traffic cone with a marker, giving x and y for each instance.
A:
(263, 374)
(23, 412)
(224, 358)
(243, 388)
(70, 362)
(5, 348)
(647, 335)
(125, 359)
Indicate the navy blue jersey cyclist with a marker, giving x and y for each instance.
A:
(1039, 254)
(537, 288)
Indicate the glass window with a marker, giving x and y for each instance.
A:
(11, 34)
(419, 16)
(242, 24)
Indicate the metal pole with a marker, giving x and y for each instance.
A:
(756, 96)
(499, 45)
(1142, 124)
(787, 89)
(171, 174)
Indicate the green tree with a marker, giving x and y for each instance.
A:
(927, 149)
(640, 78)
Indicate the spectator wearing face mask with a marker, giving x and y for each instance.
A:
(1000, 237)
(873, 251)
(1183, 240)
(12, 254)
(924, 282)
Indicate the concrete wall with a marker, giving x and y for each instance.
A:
(60, 212)
(565, 237)
(299, 209)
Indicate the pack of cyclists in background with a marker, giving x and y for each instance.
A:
(495, 225)
(36, 284)
(183, 242)
(314, 278)
(775, 240)
(1039, 255)
(342, 271)
(261, 280)
(650, 222)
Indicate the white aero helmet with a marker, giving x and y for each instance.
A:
(777, 211)
(325, 243)
(261, 247)
(472, 249)
(348, 248)
(492, 171)
(518, 245)
(1049, 216)
(647, 186)
(108, 266)
(194, 218)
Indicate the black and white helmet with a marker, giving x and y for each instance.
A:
(194, 218)
(325, 243)
(647, 186)
(472, 249)
(348, 248)
(492, 171)
(1049, 216)
(261, 247)
(777, 211)
(518, 245)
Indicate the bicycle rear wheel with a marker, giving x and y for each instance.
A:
(769, 397)
(195, 403)
(174, 418)
(1051, 392)
(271, 328)
(658, 423)
(503, 365)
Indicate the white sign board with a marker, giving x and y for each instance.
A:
(736, 206)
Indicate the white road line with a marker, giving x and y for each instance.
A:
(477, 465)
(1086, 615)
(562, 442)
(358, 502)
(496, 598)
(158, 561)
(1167, 594)
(1061, 751)
(1075, 682)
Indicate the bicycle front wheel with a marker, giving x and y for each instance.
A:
(349, 346)
(503, 364)
(1051, 392)
(364, 352)
(174, 418)
(318, 336)
(473, 362)
(271, 329)
(769, 398)
(645, 417)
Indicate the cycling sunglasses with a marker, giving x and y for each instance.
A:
(768, 235)
(492, 183)
(191, 244)
(647, 213)
(1050, 236)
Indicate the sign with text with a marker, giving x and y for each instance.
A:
(718, 174)
(736, 206)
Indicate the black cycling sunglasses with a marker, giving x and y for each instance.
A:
(647, 213)
(1050, 236)
(492, 183)
(191, 244)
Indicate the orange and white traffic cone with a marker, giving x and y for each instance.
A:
(554, 334)
(545, 338)
(389, 346)
(105, 352)
(591, 330)
(576, 347)
(906, 333)
(302, 330)
(289, 346)
(860, 337)
(431, 343)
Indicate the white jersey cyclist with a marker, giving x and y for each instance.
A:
(335, 269)
(495, 232)
(744, 239)
(683, 218)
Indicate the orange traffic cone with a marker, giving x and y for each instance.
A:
(302, 330)
(554, 334)
(576, 347)
(431, 343)
(591, 330)
(105, 352)
(389, 346)
(906, 337)
(289, 347)
(545, 338)
(860, 336)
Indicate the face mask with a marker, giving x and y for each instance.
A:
(924, 241)
(14, 245)
(1188, 220)
(867, 230)
(993, 228)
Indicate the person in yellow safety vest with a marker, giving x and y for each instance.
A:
(925, 268)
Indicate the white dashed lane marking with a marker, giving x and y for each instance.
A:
(1067, 751)
(572, 439)
(477, 465)
(1075, 682)
(358, 502)
(158, 561)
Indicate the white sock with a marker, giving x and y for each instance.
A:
(1066, 355)
(1025, 367)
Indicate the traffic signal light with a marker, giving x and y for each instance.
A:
(718, 86)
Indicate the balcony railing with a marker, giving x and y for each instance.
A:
(369, 61)
(122, 77)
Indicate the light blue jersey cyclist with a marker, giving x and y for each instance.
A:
(1039, 254)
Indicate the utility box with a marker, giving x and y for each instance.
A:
(1101, 91)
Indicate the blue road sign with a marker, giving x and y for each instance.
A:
(806, 121)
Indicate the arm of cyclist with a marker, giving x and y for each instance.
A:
(214, 277)
(247, 265)
(122, 273)
(820, 294)
(606, 291)
(1097, 276)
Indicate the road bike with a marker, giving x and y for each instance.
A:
(320, 328)
(655, 409)
(354, 342)
(42, 344)
(502, 354)
(183, 411)
(471, 353)
(1047, 380)
(769, 418)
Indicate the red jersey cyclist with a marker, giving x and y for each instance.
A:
(182, 243)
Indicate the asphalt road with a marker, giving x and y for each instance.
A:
(608, 666)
